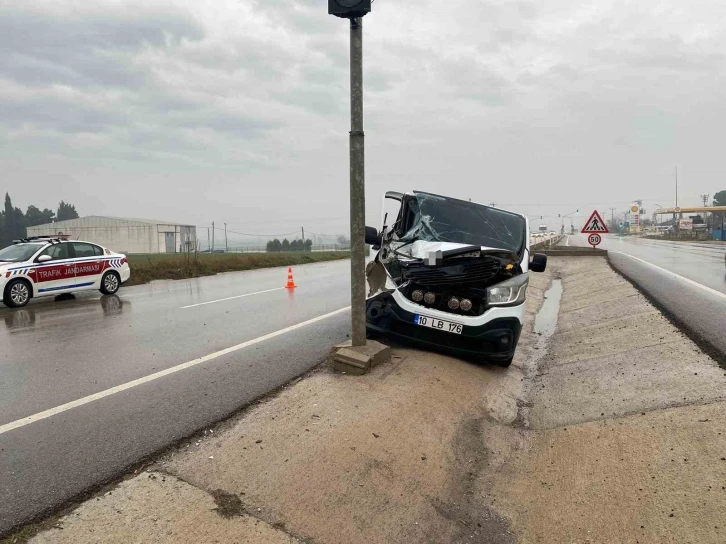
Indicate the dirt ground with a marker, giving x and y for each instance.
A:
(608, 431)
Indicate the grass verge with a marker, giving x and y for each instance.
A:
(146, 268)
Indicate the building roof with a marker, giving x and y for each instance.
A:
(93, 220)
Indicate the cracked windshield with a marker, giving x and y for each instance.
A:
(442, 219)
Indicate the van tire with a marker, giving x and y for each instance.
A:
(505, 363)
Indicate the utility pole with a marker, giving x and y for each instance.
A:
(226, 246)
(676, 185)
(492, 204)
(360, 355)
(212, 237)
(303, 234)
(612, 219)
(675, 215)
(705, 214)
(209, 243)
(357, 186)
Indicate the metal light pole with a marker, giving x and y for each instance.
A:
(357, 186)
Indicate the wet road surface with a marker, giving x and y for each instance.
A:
(55, 352)
(688, 280)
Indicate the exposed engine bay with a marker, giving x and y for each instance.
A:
(456, 283)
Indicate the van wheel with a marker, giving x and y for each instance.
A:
(505, 363)
(110, 283)
(17, 294)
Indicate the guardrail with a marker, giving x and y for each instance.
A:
(544, 242)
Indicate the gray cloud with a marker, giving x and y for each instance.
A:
(88, 49)
(201, 111)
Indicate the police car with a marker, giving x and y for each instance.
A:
(44, 266)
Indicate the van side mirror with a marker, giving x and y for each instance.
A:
(44, 258)
(373, 238)
(538, 262)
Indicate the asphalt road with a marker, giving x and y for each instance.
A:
(688, 280)
(108, 351)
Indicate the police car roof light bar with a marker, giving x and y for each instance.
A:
(52, 239)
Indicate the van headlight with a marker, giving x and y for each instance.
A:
(509, 292)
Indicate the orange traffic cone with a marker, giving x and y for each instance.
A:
(290, 281)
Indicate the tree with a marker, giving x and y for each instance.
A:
(35, 217)
(274, 245)
(343, 241)
(12, 223)
(296, 245)
(308, 245)
(286, 245)
(719, 199)
(66, 211)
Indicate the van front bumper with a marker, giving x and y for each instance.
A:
(491, 336)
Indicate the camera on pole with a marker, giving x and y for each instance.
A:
(349, 9)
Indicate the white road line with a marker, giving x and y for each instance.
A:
(568, 240)
(694, 283)
(231, 298)
(156, 375)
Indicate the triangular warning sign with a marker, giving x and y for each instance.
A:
(595, 225)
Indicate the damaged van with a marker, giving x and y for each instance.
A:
(451, 274)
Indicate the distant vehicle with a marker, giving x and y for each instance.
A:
(45, 266)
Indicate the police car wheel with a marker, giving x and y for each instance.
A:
(110, 283)
(17, 294)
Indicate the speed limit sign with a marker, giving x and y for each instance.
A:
(594, 239)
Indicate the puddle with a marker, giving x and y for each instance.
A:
(229, 505)
(546, 320)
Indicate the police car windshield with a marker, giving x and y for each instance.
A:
(18, 253)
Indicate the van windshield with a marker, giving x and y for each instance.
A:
(440, 219)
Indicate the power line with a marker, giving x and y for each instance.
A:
(249, 234)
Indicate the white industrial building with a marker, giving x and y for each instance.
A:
(124, 235)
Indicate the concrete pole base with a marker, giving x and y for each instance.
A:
(358, 360)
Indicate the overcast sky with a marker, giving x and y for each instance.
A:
(237, 110)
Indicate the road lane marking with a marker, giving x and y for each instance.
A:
(232, 298)
(156, 375)
(694, 283)
(568, 240)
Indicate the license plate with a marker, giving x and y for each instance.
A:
(438, 324)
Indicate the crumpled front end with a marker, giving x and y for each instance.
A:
(452, 295)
